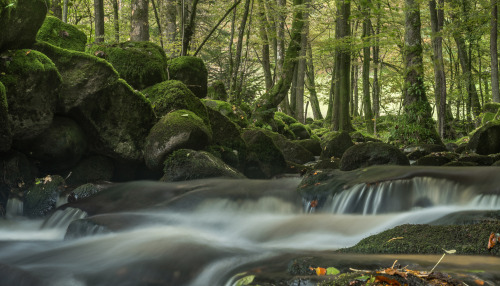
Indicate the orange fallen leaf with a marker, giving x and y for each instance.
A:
(28, 52)
(314, 203)
(479, 282)
(317, 184)
(320, 271)
(383, 279)
(492, 241)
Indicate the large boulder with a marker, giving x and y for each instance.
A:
(20, 21)
(42, 197)
(63, 35)
(313, 145)
(32, 84)
(232, 112)
(180, 129)
(192, 72)
(174, 95)
(300, 131)
(141, 64)
(92, 169)
(114, 116)
(334, 144)
(292, 151)
(61, 146)
(486, 140)
(188, 164)
(372, 153)
(217, 91)
(264, 159)
(17, 174)
(5, 132)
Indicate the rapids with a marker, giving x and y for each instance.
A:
(205, 232)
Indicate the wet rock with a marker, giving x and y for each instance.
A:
(18, 173)
(480, 160)
(5, 132)
(42, 197)
(372, 153)
(291, 151)
(91, 169)
(192, 72)
(32, 84)
(486, 140)
(233, 112)
(436, 159)
(63, 35)
(90, 86)
(334, 144)
(415, 152)
(328, 164)
(12, 275)
(264, 159)
(84, 191)
(20, 22)
(312, 145)
(361, 138)
(181, 129)
(186, 164)
(140, 64)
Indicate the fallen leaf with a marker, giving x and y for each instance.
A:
(320, 271)
(395, 238)
(479, 282)
(332, 271)
(383, 279)
(451, 251)
(492, 241)
(28, 52)
(314, 203)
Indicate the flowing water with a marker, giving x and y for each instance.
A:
(207, 231)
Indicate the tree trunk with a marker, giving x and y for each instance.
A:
(437, 20)
(366, 67)
(65, 11)
(293, 91)
(157, 18)
(99, 20)
(267, 103)
(418, 125)
(355, 103)
(311, 85)
(56, 8)
(189, 29)
(376, 68)
(139, 21)
(237, 59)
(331, 96)
(171, 25)
(494, 51)
(301, 67)
(280, 41)
(116, 20)
(266, 60)
(231, 59)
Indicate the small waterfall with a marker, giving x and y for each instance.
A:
(405, 195)
(14, 208)
(62, 218)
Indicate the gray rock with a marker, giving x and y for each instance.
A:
(372, 153)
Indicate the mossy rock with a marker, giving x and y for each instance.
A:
(141, 64)
(61, 146)
(217, 91)
(92, 169)
(264, 159)
(291, 151)
(487, 117)
(20, 21)
(5, 132)
(480, 160)
(436, 159)
(362, 138)
(63, 35)
(174, 95)
(185, 164)
(300, 130)
(83, 191)
(334, 144)
(90, 86)
(192, 72)
(233, 112)
(372, 153)
(313, 145)
(42, 197)
(430, 239)
(180, 129)
(229, 156)
(486, 139)
(32, 84)
(491, 107)
(287, 119)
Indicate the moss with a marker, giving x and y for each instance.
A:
(217, 91)
(42, 197)
(492, 107)
(5, 132)
(172, 95)
(61, 34)
(486, 117)
(229, 110)
(192, 72)
(264, 159)
(300, 130)
(285, 118)
(141, 64)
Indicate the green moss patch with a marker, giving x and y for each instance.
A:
(63, 35)
(192, 72)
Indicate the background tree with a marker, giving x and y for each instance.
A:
(494, 51)
(139, 20)
(99, 20)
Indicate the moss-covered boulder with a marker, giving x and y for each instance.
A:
(491, 107)
(292, 151)
(174, 95)
(63, 35)
(232, 112)
(5, 132)
(192, 72)
(92, 169)
(114, 116)
(334, 144)
(312, 145)
(185, 164)
(61, 146)
(17, 174)
(372, 153)
(180, 129)
(287, 119)
(264, 159)
(486, 140)
(217, 91)
(479, 160)
(300, 131)
(141, 64)
(32, 85)
(436, 159)
(20, 21)
(42, 197)
(84, 191)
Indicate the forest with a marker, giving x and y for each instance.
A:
(347, 62)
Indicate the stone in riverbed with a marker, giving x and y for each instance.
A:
(42, 197)
(372, 153)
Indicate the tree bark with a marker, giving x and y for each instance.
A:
(376, 69)
(116, 20)
(311, 85)
(494, 51)
(139, 21)
(189, 29)
(266, 57)
(237, 57)
(171, 23)
(65, 11)
(56, 8)
(99, 20)
(301, 67)
(158, 23)
(280, 41)
(368, 114)
(341, 117)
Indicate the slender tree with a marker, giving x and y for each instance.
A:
(65, 11)
(301, 66)
(116, 20)
(311, 85)
(494, 51)
(368, 114)
(189, 29)
(99, 20)
(56, 8)
(265, 53)
(237, 58)
(139, 21)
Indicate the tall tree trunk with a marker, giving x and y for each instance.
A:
(301, 66)
(266, 57)
(331, 96)
(99, 20)
(171, 24)
(139, 21)
(243, 72)
(231, 59)
(235, 97)
(341, 117)
(437, 21)
(269, 101)
(116, 20)
(280, 41)
(65, 11)
(376, 68)
(418, 126)
(158, 23)
(366, 66)
(189, 29)
(56, 8)
(293, 91)
(311, 85)
(494, 51)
